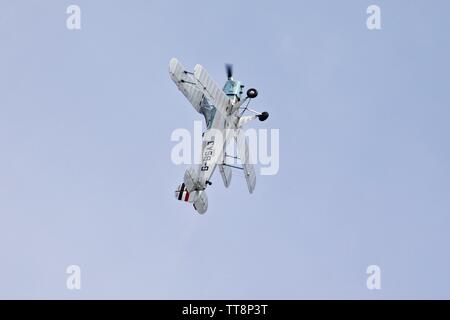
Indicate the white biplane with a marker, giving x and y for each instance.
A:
(223, 111)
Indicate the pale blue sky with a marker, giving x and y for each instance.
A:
(86, 176)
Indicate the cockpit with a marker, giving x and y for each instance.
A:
(208, 111)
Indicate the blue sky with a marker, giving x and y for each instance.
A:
(86, 176)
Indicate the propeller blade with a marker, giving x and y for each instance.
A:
(229, 70)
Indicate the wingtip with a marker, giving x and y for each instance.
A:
(173, 62)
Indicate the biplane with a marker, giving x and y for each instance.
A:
(223, 110)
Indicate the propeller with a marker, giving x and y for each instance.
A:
(229, 70)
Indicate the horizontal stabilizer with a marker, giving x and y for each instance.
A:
(190, 179)
(201, 202)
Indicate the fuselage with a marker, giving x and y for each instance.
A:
(217, 124)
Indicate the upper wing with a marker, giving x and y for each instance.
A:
(212, 91)
(186, 83)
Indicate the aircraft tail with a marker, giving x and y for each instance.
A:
(187, 192)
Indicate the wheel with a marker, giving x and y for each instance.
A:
(263, 116)
(252, 93)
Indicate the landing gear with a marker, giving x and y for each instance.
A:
(263, 116)
(252, 93)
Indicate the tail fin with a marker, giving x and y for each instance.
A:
(182, 194)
